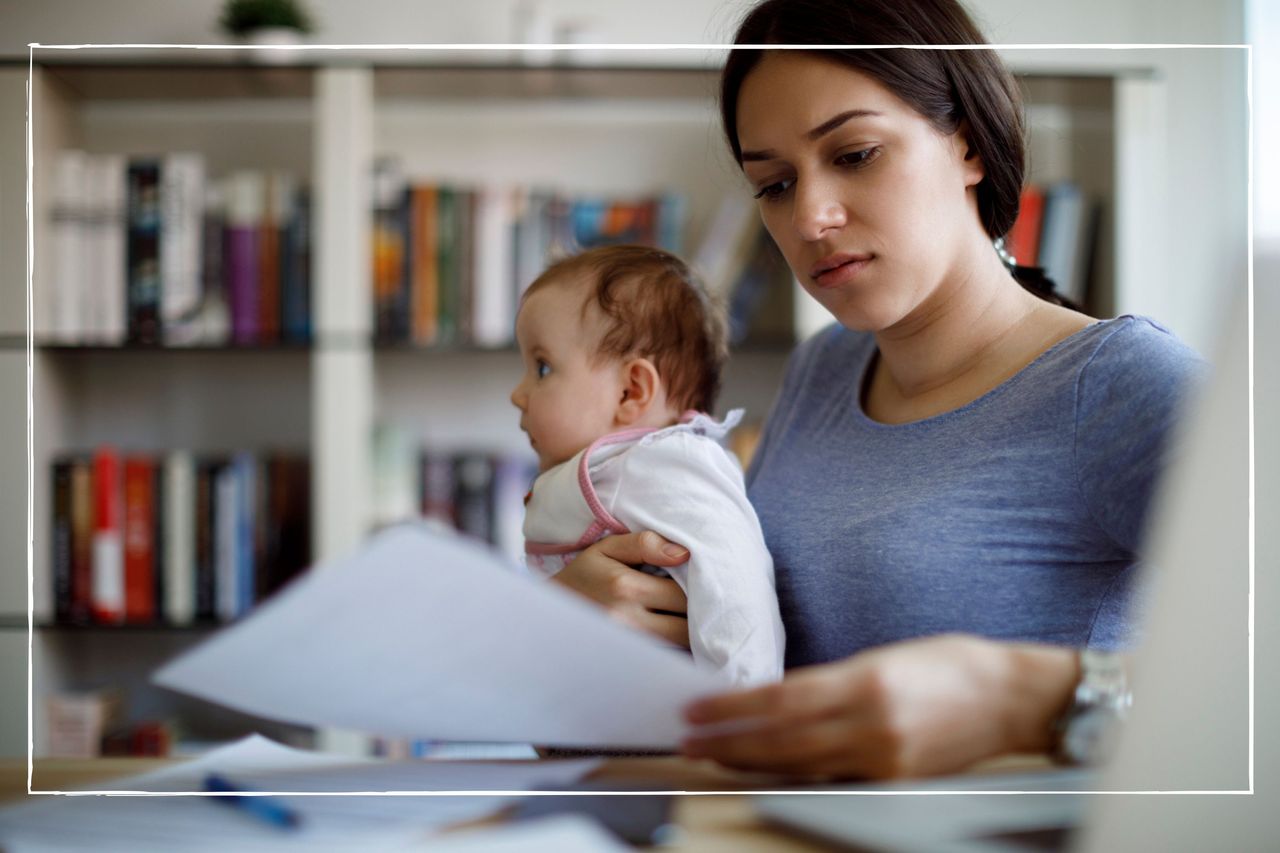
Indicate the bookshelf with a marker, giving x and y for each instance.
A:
(614, 130)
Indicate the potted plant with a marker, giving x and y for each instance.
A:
(266, 22)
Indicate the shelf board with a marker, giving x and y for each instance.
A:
(124, 628)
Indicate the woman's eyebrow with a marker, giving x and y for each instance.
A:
(815, 134)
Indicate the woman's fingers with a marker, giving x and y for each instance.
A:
(637, 549)
(673, 629)
(804, 693)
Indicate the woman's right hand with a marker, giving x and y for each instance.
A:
(604, 574)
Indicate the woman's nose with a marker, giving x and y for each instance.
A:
(818, 208)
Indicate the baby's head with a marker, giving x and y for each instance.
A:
(614, 338)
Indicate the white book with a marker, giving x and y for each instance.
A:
(113, 174)
(181, 235)
(65, 289)
(493, 320)
(226, 515)
(92, 306)
(179, 537)
(727, 245)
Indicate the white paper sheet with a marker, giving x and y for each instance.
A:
(425, 635)
(162, 823)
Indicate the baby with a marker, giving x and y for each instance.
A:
(622, 354)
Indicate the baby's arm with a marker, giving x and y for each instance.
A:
(688, 490)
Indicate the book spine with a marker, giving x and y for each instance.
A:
(244, 221)
(108, 600)
(60, 559)
(182, 202)
(115, 299)
(159, 563)
(424, 300)
(1023, 241)
(144, 252)
(246, 540)
(82, 537)
(494, 306)
(446, 265)
(226, 542)
(296, 296)
(270, 264)
(438, 487)
(139, 550)
(179, 538)
(67, 290)
(206, 540)
(474, 497)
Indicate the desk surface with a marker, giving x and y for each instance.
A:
(710, 823)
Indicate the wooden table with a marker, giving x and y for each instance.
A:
(710, 823)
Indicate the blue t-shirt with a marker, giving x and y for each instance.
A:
(1017, 516)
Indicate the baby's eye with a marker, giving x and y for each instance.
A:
(542, 369)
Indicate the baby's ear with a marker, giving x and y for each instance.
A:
(641, 385)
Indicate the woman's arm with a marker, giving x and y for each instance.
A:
(916, 708)
(603, 573)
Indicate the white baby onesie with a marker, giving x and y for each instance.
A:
(682, 484)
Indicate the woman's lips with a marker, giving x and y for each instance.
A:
(839, 269)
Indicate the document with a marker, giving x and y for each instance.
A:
(128, 820)
(423, 634)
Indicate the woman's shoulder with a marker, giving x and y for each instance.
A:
(1135, 349)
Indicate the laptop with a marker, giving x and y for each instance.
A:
(1189, 728)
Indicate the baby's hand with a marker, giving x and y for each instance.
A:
(604, 573)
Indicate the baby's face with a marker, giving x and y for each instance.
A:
(566, 400)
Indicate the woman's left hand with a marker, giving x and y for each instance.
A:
(916, 708)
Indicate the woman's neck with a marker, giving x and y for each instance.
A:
(969, 322)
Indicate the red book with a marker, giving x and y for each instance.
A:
(1023, 241)
(139, 540)
(108, 559)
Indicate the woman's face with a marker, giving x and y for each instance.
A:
(873, 209)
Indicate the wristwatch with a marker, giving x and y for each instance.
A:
(1086, 731)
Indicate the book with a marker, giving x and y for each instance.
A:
(244, 214)
(112, 174)
(108, 588)
(449, 297)
(206, 530)
(295, 321)
(437, 485)
(139, 546)
(226, 542)
(1064, 249)
(143, 252)
(388, 246)
(277, 201)
(425, 283)
(82, 539)
(182, 177)
(247, 512)
(62, 320)
(493, 291)
(1023, 240)
(473, 496)
(60, 538)
(178, 526)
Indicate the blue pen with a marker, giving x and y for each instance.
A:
(267, 809)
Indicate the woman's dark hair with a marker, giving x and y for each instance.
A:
(947, 87)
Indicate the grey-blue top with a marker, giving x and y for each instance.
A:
(1017, 516)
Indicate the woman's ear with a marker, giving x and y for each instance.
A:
(971, 162)
(641, 386)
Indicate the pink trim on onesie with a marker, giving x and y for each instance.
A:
(604, 521)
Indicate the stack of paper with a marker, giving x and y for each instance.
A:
(422, 634)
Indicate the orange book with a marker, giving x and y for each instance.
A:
(139, 540)
(1023, 240)
(269, 264)
(425, 292)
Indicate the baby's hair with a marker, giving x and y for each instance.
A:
(653, 308)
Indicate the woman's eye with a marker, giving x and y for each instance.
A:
(774, 190)
(542, 369)
(859, 158)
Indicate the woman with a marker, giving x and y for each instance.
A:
(954, 478)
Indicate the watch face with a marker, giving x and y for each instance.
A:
(1089, 735)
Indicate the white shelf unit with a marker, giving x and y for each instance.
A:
(603, 130)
